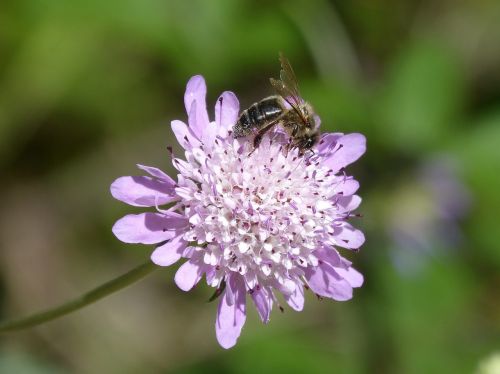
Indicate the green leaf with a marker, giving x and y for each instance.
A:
(478, 152)
(420, 101)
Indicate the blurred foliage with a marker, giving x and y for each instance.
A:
(87, 90)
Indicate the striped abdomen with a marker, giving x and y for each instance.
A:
(258, 115)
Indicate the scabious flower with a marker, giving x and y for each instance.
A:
(425, 214)
(256, 223)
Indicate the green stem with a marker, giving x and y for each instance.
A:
(88, 298)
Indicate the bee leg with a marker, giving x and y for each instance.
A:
(258, 138)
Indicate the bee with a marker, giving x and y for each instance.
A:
(286, 109)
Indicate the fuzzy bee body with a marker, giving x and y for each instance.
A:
(287, 109)
(259, 115)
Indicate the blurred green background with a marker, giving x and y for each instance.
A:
(88, 89)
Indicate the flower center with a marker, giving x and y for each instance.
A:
(261, 215)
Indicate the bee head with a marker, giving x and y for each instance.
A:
(306, 142)
(312, 120)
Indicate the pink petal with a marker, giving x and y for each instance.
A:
(196, 91)
(147, 228)
(209, 131)
(354, 277)
(296, 298)
(183, 166)
(193, 122)
(349, 237)
(349, 148)
(231, 317)
(325, 281)
(227, 110)
(330, 255)
(169, 253)
(230, 294)
(348, 187)
(186, 138)
(189, 274)
(157, 173)
(263, 302)
(348, 203)
(142, 191)
(328, 142)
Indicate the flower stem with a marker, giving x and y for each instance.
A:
(90, 297)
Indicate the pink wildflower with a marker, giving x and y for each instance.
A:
(257, 223)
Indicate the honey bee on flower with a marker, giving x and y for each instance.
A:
(287, 110)
(253, 221)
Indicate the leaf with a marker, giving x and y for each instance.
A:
(421, 99)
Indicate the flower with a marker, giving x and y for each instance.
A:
(254, 223)
(424, 215)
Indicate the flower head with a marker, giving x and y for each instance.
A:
(424, 215)
(256, 223)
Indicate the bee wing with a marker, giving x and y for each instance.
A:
(285, 93)
(287, 86)
(289, 80)
(282, 90)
